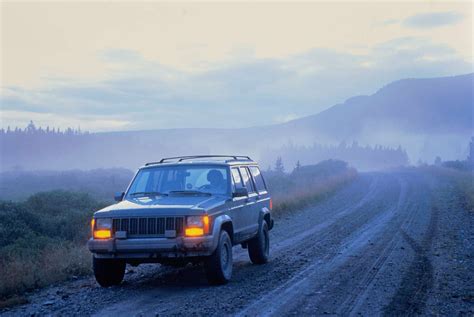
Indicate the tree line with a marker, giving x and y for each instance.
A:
(362, 157)
(32, 130)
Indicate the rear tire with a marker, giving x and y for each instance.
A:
(259, 247)
(218, 266)
(108, 272)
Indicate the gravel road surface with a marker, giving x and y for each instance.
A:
(397, 243)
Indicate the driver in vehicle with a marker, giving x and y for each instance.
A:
(216, 181)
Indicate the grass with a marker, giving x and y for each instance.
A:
(300, 197)
(462, 179)
(53, 264)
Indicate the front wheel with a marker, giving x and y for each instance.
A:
(259, 247)
(218, 266)
(108, 272)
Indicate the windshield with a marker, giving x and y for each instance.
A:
(184, 179)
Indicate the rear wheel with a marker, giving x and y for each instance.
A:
(259, 247)
(218, 266)
(108, 272)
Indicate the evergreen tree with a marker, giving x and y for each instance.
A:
(279, 168)
(298, 165)
(31, 128)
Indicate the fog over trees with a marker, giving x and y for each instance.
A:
(363, 157)
(37, 148)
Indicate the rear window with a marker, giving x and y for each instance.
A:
(257, 176)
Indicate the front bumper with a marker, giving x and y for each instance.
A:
(152, 248)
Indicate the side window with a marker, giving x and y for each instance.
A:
(247, 180)
(236, 178)
(257, 176)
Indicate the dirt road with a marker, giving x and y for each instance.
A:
(389, 243)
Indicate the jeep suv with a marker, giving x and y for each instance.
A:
(180, 210)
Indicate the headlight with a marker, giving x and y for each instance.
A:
(102, 228)
(195, 221)
(197, 226)
(103, 223)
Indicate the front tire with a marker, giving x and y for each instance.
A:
(218, 266)
(259, 247)
(108, 272)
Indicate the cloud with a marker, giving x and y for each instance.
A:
(142, 94)
(432, 20)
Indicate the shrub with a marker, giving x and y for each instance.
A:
(42, 240)
(307, 184)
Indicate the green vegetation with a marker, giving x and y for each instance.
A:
(43, 239)
(307, 184)
(462, 179)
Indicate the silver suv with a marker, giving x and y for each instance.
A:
(180, 210)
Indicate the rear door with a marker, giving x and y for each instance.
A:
(263, 197)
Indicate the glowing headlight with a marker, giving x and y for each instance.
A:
(197, 225)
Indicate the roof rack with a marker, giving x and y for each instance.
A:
(190, 157)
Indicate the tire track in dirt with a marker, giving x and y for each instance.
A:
(411, 296)
(356, 295)
(358, 282)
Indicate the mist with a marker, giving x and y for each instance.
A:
(407, 122)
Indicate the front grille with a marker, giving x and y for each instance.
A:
(149, 226)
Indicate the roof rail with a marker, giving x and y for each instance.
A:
(190, 157)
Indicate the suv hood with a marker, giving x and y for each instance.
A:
(175, 205)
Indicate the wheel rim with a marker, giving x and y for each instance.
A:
(226, 259)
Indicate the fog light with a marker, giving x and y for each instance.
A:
(102, 234)
(194, 232)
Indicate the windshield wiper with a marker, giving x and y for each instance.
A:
(149, 194)
(190, 192)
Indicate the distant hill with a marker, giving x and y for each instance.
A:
(426, 117)
(427, 106)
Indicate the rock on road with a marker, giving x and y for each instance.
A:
(387, 244)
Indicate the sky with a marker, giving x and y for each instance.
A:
(110, 66)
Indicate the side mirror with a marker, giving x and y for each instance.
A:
(119, 196)
(240, 192)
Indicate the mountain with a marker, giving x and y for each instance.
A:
(426, 117)
(419, 106)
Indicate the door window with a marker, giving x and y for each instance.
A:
(258, 178)
(247, 180)
(237, 180)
